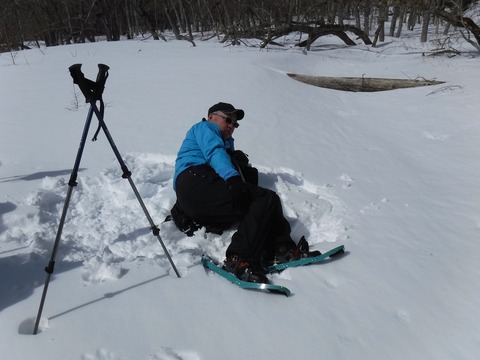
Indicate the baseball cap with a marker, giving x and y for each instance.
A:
(227, 109)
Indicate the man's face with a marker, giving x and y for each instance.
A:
(227, 123)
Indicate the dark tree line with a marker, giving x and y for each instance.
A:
(56, 22)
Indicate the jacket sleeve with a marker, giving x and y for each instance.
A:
(210, 141)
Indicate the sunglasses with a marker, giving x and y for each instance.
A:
(229, 120)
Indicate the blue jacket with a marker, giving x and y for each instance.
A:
(204, 144)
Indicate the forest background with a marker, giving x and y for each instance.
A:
(32, 23)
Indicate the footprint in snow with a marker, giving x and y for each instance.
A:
(170, 354)
(347, 181)
(373, 207)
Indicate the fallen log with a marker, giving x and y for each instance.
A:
(361, 84)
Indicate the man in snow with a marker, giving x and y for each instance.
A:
(216, 187)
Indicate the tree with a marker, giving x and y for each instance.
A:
(462, 22)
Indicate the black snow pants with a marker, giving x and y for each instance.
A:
(262, 228)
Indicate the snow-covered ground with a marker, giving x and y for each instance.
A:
(394, 176)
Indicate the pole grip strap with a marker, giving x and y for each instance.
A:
(92, 90)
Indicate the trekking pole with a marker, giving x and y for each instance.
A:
(90, 96)
(93, 92)
(71, 184)
(127, 175)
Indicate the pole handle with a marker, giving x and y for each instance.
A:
(92, 90)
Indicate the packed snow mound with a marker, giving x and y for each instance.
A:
(106, 226)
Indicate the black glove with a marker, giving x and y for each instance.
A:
(239, 158)
(239, 192)
(242, 158)
(240, 161)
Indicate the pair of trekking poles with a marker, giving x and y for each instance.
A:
(93, 91)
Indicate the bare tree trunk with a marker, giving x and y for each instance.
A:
(380, 30)
(411, 19)
(210, 15)
(180, 23)
(366, 17)
(341, 13)
(356, 11)
(173, 24)
(382, 17)
(447, 29)
(332, 12)
(401, 20)
(149, 18)
(188, 24)
(395, 16)
(426, 22)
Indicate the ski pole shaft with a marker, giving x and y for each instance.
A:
(155, 229)
(127, 175)
(72, 183)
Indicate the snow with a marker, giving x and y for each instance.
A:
(391, 175)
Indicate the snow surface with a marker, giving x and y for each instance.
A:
(394, 176)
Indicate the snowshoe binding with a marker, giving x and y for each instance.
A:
(244, 270)
(301, 251)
